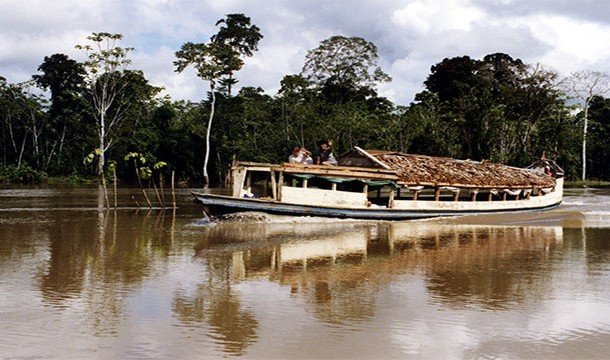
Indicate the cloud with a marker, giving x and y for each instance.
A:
(411, 35)
(424, 16)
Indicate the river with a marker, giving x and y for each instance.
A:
(79, 281)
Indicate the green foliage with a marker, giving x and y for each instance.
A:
(24, 174)
(160, 165)
(344, 62)
(210, 60)
(135, 156)
(495, 108)
(145, 172)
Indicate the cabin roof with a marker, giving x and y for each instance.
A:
(439, 171)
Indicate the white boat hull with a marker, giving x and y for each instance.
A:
(403, 209)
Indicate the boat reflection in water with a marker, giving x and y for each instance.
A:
(340, 268)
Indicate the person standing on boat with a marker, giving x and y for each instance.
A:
(325, 153)
(300, 155)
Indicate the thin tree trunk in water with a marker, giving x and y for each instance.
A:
(135, 166)
(157, 193)
(114, 186)
(206, 179)
(173, 189)
(161, 186)
(103, 180)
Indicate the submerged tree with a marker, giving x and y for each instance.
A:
(104, 66)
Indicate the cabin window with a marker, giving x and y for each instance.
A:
(257, 184)
(421, 193)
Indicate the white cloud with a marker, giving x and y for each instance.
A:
(437, 16)
(411, 35)
(574, 44)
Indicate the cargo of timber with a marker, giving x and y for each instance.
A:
(386, 185)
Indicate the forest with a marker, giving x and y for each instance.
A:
(79, 120)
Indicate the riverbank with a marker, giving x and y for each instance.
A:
(600, 184)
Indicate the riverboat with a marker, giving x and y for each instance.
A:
(386, 185)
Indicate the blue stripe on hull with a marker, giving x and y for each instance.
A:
(226, 204)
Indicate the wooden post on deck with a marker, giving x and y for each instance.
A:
(437, 194)
(280, 183)
(273, 185)
(249, 181)
(391, 200)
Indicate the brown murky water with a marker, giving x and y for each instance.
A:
(77, 281)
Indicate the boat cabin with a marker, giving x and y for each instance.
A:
(372, 179)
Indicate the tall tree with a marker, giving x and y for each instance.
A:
(104, 66)
(210, 61)
(219, 58)
(237, 32)
(584, 86)
(346, 62)
(64, 77)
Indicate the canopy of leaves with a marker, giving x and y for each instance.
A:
(237, 32)
(346, 61)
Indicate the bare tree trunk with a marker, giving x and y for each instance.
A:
(206, 179)
(114, 186)
(25, 136)
(10, 131)
(584, 144)
(101, 135)
(103, 180)
(135, 166)
(61, 143)
(173, 191)
(161, 186)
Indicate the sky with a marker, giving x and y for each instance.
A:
(411, 35)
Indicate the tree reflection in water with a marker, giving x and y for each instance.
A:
(214, 303)
(339, 273)
(99, 258)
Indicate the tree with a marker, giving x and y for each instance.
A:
(210, 61)
(241, 36)
(218, 58)
(64, 77)
(104, 68)
(599, 130)
(349, 62)
(296, 101)
(22, 118)
(584, 86)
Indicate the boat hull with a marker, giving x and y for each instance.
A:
(221, 204)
